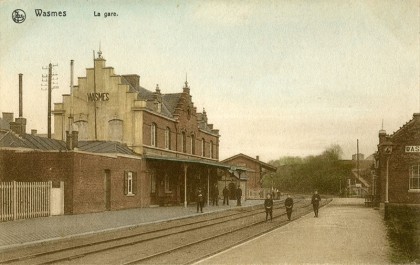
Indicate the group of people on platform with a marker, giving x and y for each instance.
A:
(215, 197)
(268, 203)
(288, 204)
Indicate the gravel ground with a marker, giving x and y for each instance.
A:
(345, 233)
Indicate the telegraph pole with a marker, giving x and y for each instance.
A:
(51, 85)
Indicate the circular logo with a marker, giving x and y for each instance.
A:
(18, 16)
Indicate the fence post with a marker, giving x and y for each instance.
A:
(14, 200)
(62, 198)
(50, 197)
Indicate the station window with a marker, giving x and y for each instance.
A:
(184, 142)
(130, 183)
(192, 144)
(203, 147)
(415, 177)
(153, 135)
(211, 149)
(168, 138)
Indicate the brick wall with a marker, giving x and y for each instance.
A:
(399, 164)
(83, 175)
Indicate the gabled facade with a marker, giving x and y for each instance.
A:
(110, 107)
(255, 172)
(398, 164)
(178, 147)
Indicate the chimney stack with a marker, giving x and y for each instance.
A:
(34, 132)
(258, 158)
(20, 97)
(72, 140)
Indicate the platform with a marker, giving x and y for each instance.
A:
(346, 232)
(37, 230)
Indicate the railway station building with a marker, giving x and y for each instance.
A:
(397, 164)
(179, 148)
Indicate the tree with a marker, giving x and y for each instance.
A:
(323, 172)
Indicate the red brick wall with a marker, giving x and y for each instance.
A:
(190, 126)
(399, 164)
(83, 175)
(253, 177)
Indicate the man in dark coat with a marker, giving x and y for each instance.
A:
(288, 203)
(268, 205)
(200, 200)
(225, 196)
(315, 202)
(238, 196)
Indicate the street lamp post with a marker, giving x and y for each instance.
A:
(387, 151)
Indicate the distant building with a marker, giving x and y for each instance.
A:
(398, 165)
(254, 174)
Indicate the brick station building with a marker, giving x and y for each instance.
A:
(178, 146)
(398, 165)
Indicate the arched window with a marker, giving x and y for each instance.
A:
(203, 147)
(153, 135)
(192, 144)
(168, 138)
(184, 142)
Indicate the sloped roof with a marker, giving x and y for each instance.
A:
(104, 147)
(406, 125)
(171, 101)
(264, 165)
(10, 139)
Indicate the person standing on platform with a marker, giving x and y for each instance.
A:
(238, 196)
(200, 200)
(268, 205)
(288, 203)
(315, 202)
(225, 196)
(215, 195)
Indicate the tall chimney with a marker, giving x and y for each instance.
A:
(71, 97)
(20, 97)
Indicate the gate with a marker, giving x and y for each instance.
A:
(22, 200)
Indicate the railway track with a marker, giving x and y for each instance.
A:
(163, 243)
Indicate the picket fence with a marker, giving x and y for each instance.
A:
(22, 200)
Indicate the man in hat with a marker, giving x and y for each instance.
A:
(200, 200)
(288, 203)
(315, 202)
(238, 196)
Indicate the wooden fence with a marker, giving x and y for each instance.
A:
(22, 200)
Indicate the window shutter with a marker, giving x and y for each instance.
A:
(125, 182)
(134, 182)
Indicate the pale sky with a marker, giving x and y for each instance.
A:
(277, 78)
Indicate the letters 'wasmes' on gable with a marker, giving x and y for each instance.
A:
(111, 107)
(179, 149)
